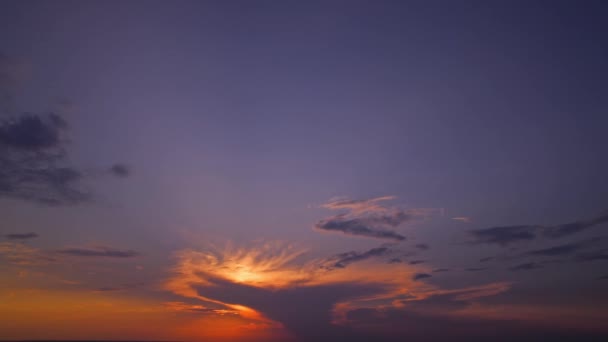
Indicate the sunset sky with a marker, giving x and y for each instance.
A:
(304, 170)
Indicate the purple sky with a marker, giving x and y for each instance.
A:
(245, 123)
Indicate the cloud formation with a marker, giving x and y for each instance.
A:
(507, 235)
(368, 218)
(344, 259)
(419, 276)
(34, 163)
(526, 266)
(21, 236)
(98, 251)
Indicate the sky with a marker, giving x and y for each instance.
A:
(303, 170)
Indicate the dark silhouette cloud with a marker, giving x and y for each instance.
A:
(441, 270)
(372, 226)
(506, 235)
(486, 259)
(422, 246)
(416, 262)
(593, 256)
(605, 277)
(395, 261)
(367, 218)
(305, 311)
(574, 227)
(568, 248)
(34, 163)
(525, 266)
(21, 236)
(475, 269)
(419, 276)
(344, 259)
(99, 251)
(120, 170)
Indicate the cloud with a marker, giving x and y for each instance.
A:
(21, 236)
(344, 259)
(98, 251)
(463, 219)
(416, 262)
(120, 288)
(368, 218)
(486, 259)
(441, 270)
(422, 246)
(419, 276)
(120, 170)
(19, 254)
(475, 269)
(574, 227)
(503, 236)
(370, 227)
(395, 261)
(34, 163)
(507, 235)
(526, 266)
(605, 277)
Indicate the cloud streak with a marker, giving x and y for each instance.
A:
(368, 218)
(507, 235)
(98, 251)
(21, 236)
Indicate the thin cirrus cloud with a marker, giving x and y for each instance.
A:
(507, 235)
(368, 218)
(98, 251)
(21, 236)
(344, 259)
(526, 266)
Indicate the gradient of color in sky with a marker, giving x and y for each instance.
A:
(303, 170)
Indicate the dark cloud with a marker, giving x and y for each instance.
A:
(602, 277)
(395, 261)
(525, 266)
(419, 276)
(21, 236)
(34, 163)
(305, 311)
(486, 259)
(593, 256)
(504, 236)
(344, 259)
(422, 246)
(375, 226)
(99, 251)
(416, 262)
(558, 250)
(574, 227)
(441, 270)
(475, 269)
(120, 170)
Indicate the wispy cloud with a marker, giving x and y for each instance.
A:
(368, 218)
(21, 236)
(344, 259)
(34, 163)
(420, 276)
(98, 251)
(526, 266)
(507, 235)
